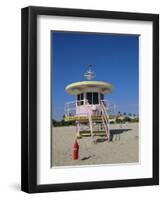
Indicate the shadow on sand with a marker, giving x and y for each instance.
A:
(86, 158)
(114, 135)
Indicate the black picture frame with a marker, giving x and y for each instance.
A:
(29, 99)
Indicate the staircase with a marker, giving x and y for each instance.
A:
(89, 123)
(105, 120)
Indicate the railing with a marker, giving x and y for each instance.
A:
(105, 119)
(72, 106)
(109, 107)
(104, 111)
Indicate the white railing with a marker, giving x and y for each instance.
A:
(71, 107)
(105, 119)
(109, 107)
(104, 111)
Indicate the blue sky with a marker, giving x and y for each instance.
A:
(114, 58)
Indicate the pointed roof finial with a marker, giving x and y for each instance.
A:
(89, 75)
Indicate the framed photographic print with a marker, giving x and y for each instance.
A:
(90, 99)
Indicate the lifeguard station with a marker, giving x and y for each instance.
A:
(91, 111)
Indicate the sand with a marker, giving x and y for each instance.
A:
(123, 147)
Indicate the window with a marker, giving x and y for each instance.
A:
(89, 97)
(80, 98)
(95, 98)
(92, 97)
(101, 97)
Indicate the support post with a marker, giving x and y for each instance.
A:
(77, 129)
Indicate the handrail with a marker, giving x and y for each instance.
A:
(104, 124)
(104, 111)
(103, 108)
(105, 118)
(90, 120)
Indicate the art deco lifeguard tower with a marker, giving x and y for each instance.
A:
(90, 110)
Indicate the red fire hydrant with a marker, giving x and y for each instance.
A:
(76, 150)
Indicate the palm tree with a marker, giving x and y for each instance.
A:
(129, 114)
(119, 114)
(124, 113)
(134, 115)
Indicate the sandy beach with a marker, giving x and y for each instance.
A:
(123, 147)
